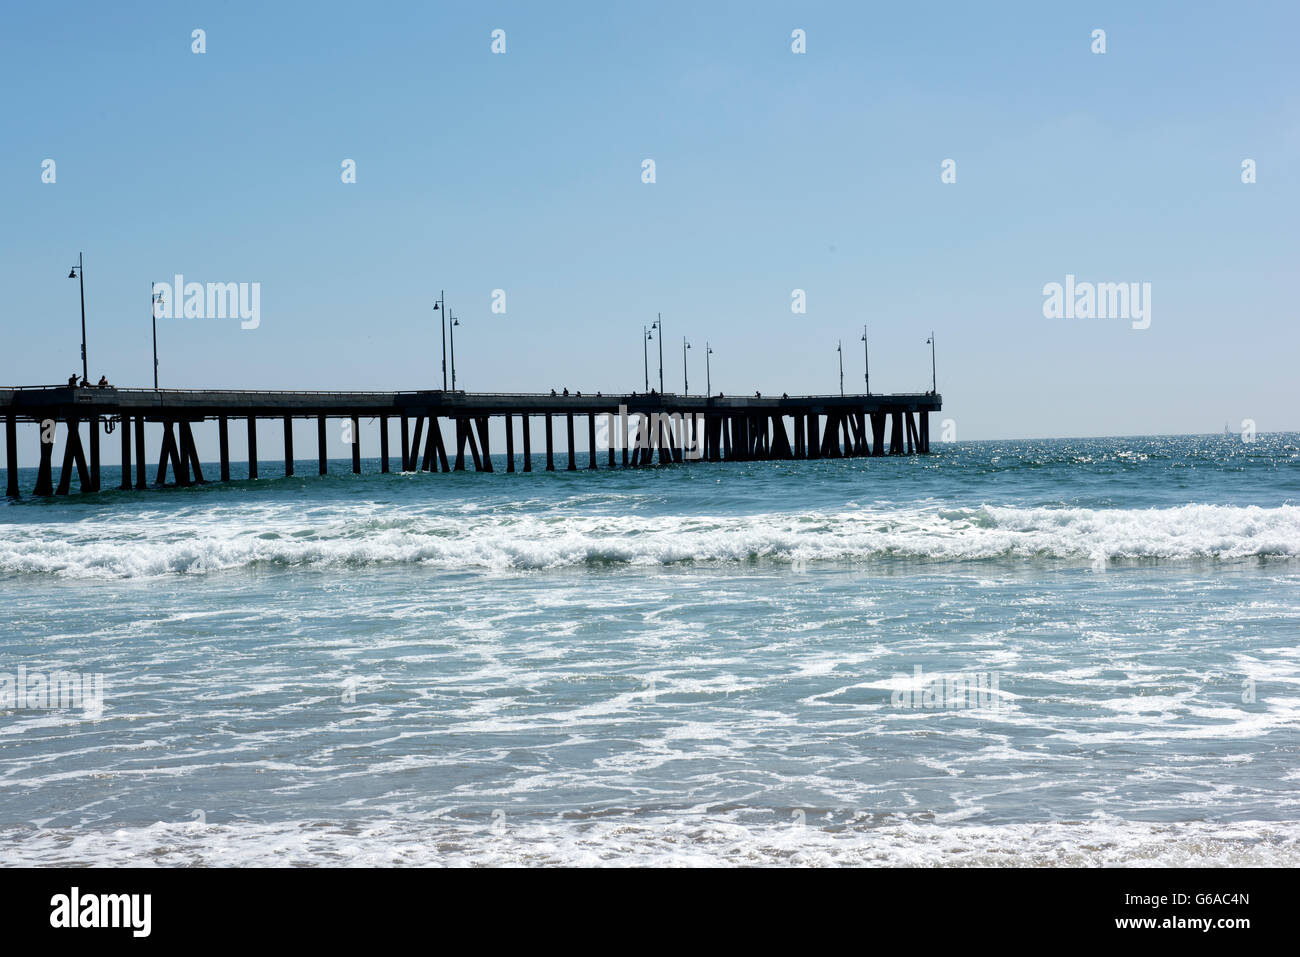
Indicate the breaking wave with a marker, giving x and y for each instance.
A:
(132, 546)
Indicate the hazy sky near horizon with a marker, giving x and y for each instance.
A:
(775, 171)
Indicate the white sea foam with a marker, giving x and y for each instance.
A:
(687, 839)
(198, 542)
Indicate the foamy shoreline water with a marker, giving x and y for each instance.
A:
(685, 841)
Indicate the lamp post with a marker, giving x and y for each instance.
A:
(866, 361)
(934, 378)
(840, 349)
(708, 376)
(454, 323)
(646, 336)
(156, 299)
(686, 383)
(659, 324)
(440, 306)
(77, 272)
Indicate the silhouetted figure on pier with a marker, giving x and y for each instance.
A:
(72, 381)
(552, 392)
(566, 390)
(103, 382)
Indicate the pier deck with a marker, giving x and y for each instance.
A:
(642, 427)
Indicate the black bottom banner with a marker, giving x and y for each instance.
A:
(338, 907)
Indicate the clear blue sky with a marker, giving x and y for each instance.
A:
(775, 171)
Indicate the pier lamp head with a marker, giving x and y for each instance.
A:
(455, 322)
(72, 273)
(436, 307)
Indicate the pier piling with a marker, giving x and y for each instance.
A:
(125, 439)
(93, 436)
(436, 435)
(426, 460)
(482, 423)
(223, 441)
(11, 456)
(252, 447)
(413, 463)
(572, 452)
(164, 456)
(141, 455)
(192, 450)
(73, 455)
(44, 480)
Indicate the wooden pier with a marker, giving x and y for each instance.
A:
(641, 429)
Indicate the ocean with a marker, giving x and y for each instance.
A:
(1064, 652)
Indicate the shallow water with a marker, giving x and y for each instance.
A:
(713, 663)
